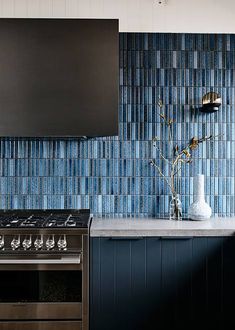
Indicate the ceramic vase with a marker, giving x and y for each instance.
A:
(199, 210)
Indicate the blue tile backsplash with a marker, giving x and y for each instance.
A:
(112, 175)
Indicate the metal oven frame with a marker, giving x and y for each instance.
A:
(47, 316)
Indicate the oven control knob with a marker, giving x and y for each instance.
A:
(27, 242)
(62, 243)
(38, 243)
(50, 242)
(15, 243)
(2, 242)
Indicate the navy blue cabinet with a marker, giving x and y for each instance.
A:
(151, 283)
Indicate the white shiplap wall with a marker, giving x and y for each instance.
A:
(135, 15)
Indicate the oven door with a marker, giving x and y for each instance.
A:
(41, 287)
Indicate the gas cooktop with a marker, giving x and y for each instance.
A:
(45, 218)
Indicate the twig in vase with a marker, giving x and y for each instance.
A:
(179, 157)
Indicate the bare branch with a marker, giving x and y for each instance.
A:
(152, 162)
(161, 153)
(178, 157)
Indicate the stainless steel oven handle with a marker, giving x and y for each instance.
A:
(60, 261)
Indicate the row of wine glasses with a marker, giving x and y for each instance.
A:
(38, 243)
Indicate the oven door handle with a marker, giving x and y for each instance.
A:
(59, 261)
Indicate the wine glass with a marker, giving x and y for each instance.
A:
(38, 243)
(50, 242)
(1, 242)
(27, 242)
(15, 243)
(62, 243)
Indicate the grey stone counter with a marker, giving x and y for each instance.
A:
(134, 227)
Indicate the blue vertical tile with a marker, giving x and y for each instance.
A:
(112, 175)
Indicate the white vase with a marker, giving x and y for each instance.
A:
(199, 210)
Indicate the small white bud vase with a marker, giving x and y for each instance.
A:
(199, 210)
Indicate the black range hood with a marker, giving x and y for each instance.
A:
(59, 77)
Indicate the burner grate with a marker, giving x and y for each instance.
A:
(12, 220)
(78, 219)
(34, 220)
(57, 220)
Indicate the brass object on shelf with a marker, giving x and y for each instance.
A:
(211, 102)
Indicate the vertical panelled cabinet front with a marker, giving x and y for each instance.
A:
(153, 282)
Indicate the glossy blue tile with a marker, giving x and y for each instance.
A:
(111, 175)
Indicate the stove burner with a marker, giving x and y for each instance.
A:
(75, 221)
(52, 219)
(11, 220)
(34, 221)
(57, 220)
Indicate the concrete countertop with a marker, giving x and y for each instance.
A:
(147, 227)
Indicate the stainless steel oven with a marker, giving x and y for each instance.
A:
(44, 288)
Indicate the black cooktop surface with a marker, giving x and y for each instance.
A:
(45, 218)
